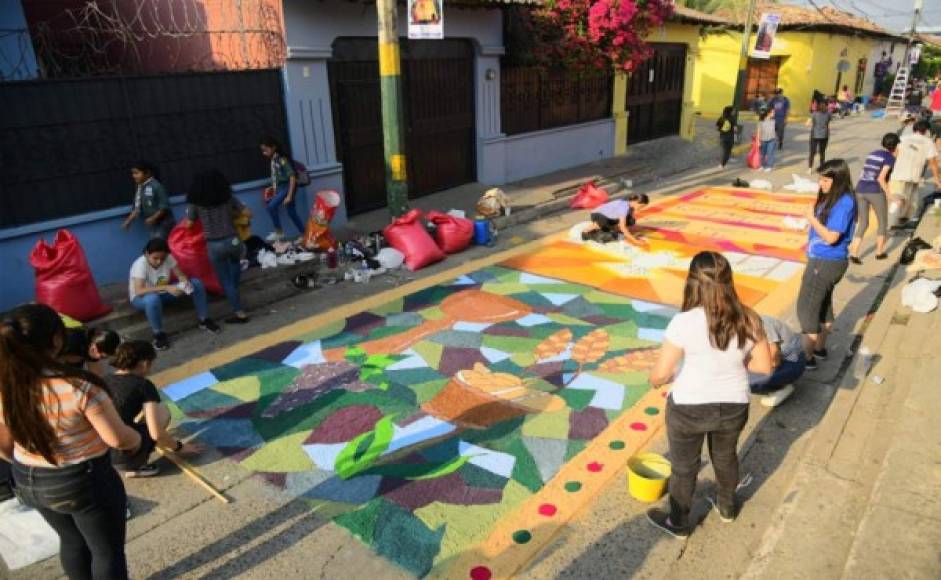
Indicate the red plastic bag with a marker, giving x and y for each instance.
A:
(63, 279)
(453, 234)
(408, 235)
(754, 154)
(589, 197)
(188, 246)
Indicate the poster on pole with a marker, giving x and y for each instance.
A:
(767, 29)
(915, 55)
(425, 19)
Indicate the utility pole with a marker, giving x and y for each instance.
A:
(743, 62)
(393, 114)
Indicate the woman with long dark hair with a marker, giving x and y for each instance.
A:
(714, 341)
(832, 219)
(210, 201)
(57, 425)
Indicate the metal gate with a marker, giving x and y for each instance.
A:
(438, 91)
(655, 94)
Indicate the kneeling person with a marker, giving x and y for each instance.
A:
(135, 396)
(613, 217)
(150, 289)
(789, 362)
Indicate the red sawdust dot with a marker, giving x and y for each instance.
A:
(548, 510)
(595, 467)
(665, 394)
(639, 426)
(481, 573)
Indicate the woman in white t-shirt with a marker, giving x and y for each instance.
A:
(713, 342)
(151, 285)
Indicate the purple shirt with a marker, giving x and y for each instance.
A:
(615, 210)
(869, 178)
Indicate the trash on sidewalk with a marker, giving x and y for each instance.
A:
(919, 295)
(761, 184)
(589, 196)
(188, 246)
(739, 182)
(64, 279)
(801, 184)
(493, 203)
(913, 247)
(317, 235)
(452, 234)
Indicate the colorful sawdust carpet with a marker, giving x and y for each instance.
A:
(433, 417)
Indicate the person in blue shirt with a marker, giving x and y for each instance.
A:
(781, 106)
(832, 220)
(873, 190)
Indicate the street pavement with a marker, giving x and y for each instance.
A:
(844, 475)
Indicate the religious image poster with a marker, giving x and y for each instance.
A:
(425, 19)
(767, 28)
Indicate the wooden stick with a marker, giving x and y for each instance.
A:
(193, 474)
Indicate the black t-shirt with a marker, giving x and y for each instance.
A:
(129, 393)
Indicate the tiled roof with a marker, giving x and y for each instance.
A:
(808, 18)
(684, 14)
(932, 39)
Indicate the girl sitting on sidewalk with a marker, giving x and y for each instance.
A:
(708, 349)
(135, 396)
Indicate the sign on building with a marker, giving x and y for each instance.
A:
(767, 29)
(425, 19)
(915, 55)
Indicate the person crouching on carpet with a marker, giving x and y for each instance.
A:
(613, 217)
(788, 359)
(134, 395)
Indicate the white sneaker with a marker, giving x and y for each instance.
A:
(274, 237)
(767, 170)
(776, 398)
(304, 256)
(286, 260)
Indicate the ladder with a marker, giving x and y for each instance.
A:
(896, 100)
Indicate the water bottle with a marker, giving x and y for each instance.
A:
(863, 362)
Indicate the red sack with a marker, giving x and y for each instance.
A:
(63, 279)
(589, 197)
(453, 234)
(754, 154)
(188, 246)
(408, 235)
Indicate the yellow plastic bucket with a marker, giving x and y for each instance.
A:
(647, 475)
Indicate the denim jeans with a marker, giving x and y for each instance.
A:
(225, 254)
(767, 153)
(86, 505)
(779, 126)
(720, 424)
(274, 207)
(152, 304)
(785, 374)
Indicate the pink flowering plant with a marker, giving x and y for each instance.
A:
(602, 34)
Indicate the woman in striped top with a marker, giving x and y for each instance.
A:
(57, 424)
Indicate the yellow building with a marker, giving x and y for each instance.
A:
(813, 50)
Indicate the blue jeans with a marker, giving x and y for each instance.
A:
(767, 153)
(785, 374)
(274, 205)
(152, 304)
(225, 255)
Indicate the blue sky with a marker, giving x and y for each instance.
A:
(894, 15)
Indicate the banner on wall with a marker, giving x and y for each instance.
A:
(915, 55)
(425, 19)
(767, 29)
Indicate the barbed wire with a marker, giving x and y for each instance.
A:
(150, 36)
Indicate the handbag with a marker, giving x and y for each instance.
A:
(913, 246)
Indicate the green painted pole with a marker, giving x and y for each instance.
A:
(743, 62)
(393, 114)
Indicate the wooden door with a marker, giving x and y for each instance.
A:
(438, 96)
(655, 94)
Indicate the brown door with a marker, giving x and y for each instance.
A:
(438, 94)
(761, 79)
(655, 94)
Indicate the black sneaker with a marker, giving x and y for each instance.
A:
(236, 319)
(161, 342)
(149, 470)
(661, 519)
(208, 325)
(821, 354)
(727, 515)
(881, 256)
(811, 364)
(856, 260)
